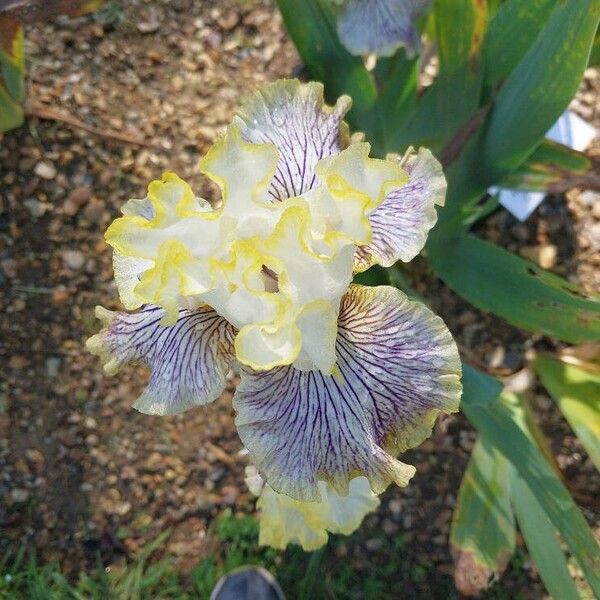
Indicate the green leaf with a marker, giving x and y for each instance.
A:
(455, 95)
(541, 86)
(594, 60)
(466, 186)
(12, 67)
(577, 394)
(374, 276)
(526, 296)
(482, 535)
(479, 390)
(542, 542)
(397, 80)
(428, 125)
(460, 29)
(12, 58)
(29, 11)
(502, 426)
(493, 6)
(461, 26)
(510, 34)
(549, 164)
(11, 113)
(311, 25)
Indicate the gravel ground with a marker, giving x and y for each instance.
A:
(80, 471)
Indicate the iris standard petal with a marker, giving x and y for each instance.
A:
(284, 520)
(356, 181)
(310, 286)
(398, 368)
(295, 118)
(401, 223)
(189, 361)
(379, 26)
(241, 169)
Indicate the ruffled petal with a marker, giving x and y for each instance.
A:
(310, 286)
(295, 118)
(397, 369)
(128, 271)
(189, 361)
(170, 211)
(401, 223)
(174, 274)
(379, 26)
(284, 520)
(156, 244)
(241, 169)
(358, 184)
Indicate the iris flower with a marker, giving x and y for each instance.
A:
(336, 379)
(379, 26)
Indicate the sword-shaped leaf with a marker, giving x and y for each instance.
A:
(482, 536)
(510, 34)
(537, 91)
(500, 421)
(551, 164)
(542, 541)
(12, 67)
(517, 290)
(577, 394)
(454, 96)
(29, 11)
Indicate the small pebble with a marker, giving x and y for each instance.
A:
(10, 267)
(35, 456)
(52, 366)
(60, 295)
(547, 256)
(589, 197)
(19, 495)
(594, 235)
(73, 259)
(544, 256)
(373, 545)
(35, 207)
(45, 170)
(230, 21)
(75, 200)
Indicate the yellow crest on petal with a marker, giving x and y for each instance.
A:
(284, 520)
(171, 277)
(242, 170)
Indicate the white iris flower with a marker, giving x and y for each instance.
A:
(336, 379)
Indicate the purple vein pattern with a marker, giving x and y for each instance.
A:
(400, 224)
(304, 130)
(189, 361)
(379, 26)
(399, 369)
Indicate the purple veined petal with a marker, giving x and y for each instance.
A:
(189, 361)
(399, 369)
(379, 26)
(294, 117)
(401, 223)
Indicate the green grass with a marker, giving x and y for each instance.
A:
(320, 575)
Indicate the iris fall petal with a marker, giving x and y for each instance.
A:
(398, 369)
